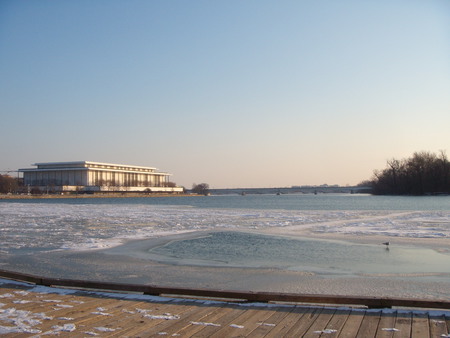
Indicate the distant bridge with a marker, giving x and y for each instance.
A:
(294, 190)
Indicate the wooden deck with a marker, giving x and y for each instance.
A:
(27, 310)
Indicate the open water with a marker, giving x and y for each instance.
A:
(191, 241)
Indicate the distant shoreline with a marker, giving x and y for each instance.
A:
(106, 195)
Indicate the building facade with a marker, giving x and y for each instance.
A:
(95, 176)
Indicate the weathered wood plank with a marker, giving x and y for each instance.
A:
(447, 319)
(352, 324)
(105, 315)
(403, 324)
(369, 324)
(133, 320)
(372, 302)
(255, 321)
(227, 319)
(320, 324)
(303, 324)
(420, 327)
(186, 318)
(438, 326)
(214, 316)
(270, 323)
(89, 314)
(386, 325)
(244, 324)
(287, 322)
(146, 324)
(336, 323)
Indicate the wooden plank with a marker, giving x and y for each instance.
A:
(352, 324)
(386, 326)
(420, 327)
(336, 323)
(270, 323)
(403, 324)
(20, 277)
(438, 326)
(233, 313)
(77, 316)
(369, 324)
(298, 319)
(286, 323)
(215, 316)
(304, 323)
(55, 308)
(81, 315)
(146, 324)
(245, 323)
(254, 322)
(137, 313)
(447, 320)
(192, 312)
(320, 324)
(105, 315)
(131, 321)
(44, 309)
(171, 327)
(372, 302)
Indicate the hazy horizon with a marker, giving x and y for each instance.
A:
(234, 94)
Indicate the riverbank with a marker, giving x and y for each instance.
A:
(103, 195)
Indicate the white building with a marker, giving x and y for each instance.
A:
(94, 176)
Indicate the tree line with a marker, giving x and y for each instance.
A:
(8, 184)
(422, 174)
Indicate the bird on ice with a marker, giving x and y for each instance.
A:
(385, 243)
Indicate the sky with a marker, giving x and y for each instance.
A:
(231, 93)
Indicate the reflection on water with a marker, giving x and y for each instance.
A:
(241, 249)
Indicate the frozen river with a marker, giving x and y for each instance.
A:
(293, 243)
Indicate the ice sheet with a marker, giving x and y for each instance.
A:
(30, 227)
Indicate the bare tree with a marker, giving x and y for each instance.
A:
(423, 173)
(8, 184)
(201, 189)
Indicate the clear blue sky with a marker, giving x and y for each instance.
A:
(232, 93)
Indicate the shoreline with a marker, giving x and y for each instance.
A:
(105, 195)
